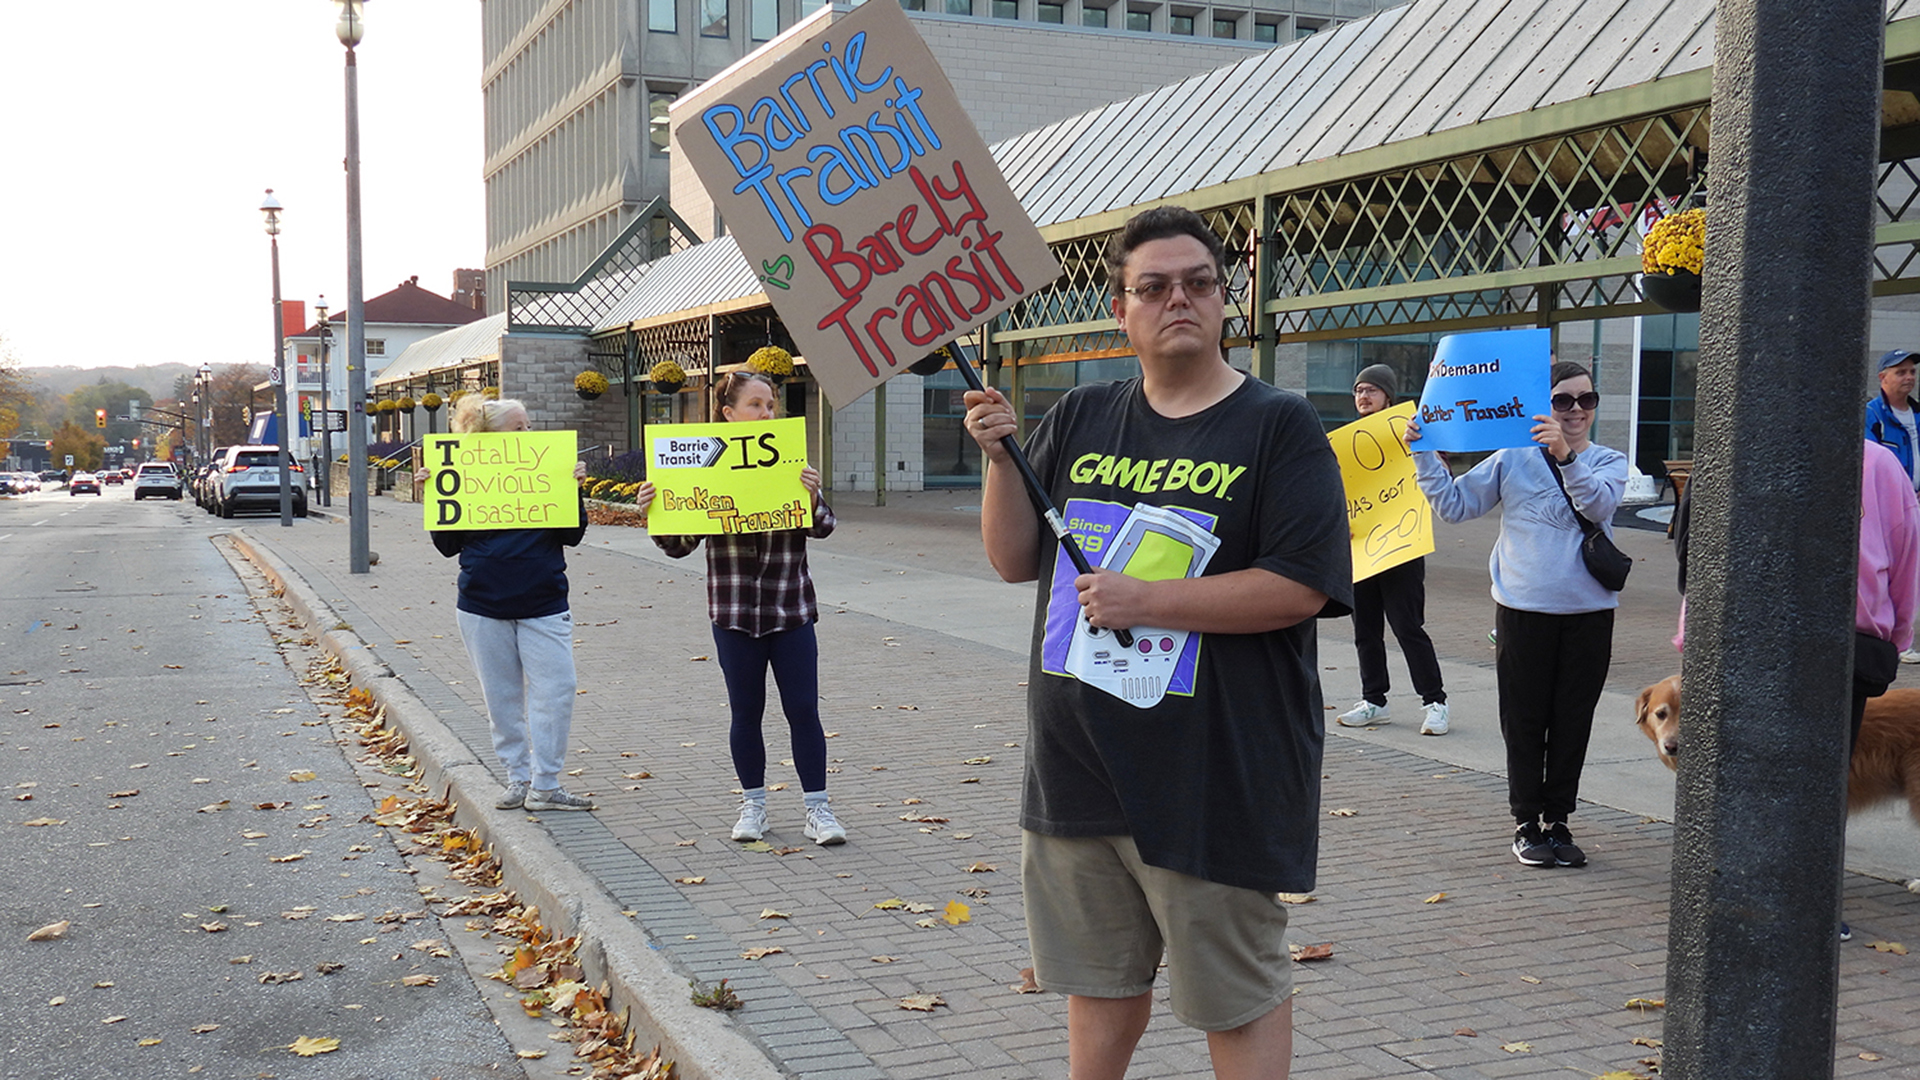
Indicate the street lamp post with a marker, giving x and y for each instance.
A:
(325, 479)
(277, 373)
(206, 403)
(350, 27)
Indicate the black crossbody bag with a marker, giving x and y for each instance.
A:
(1608, 564)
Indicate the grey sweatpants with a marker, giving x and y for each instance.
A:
(526, 674)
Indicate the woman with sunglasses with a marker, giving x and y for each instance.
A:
(761, 600)
(1554, 621)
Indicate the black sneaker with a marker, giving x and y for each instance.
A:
(1530, 846)
(1560, 840)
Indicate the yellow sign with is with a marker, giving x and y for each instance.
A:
(1388, 518)
(711, 479)
(501, 480)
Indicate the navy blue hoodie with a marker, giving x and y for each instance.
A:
(513, 573)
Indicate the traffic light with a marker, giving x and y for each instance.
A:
(99, 418)
(136, 444)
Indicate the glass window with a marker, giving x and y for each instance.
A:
(1226, 28)
(1006, 9)
(1304, 28)
(914, 5)
(658, 132)
(713, 18)
(1051, 13)
(959, 7)
(1180, 24)
(808, 7)
(663, 16)
(1266, 32)
(376, 347)
(1140, 20)
(1093, 16)
(766, 19)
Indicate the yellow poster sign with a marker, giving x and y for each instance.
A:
(1388, 518)
(501, 480)
(711, 479)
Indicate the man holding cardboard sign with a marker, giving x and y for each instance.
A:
(1166, 821)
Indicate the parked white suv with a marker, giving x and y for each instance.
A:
(250, 480)
(156, 478)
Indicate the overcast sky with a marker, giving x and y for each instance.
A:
(139, 140)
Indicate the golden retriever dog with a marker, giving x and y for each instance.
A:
(1886, 762)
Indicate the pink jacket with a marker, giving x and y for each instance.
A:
(1887, 590)
(1887, 586)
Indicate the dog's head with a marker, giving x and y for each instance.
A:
(1657, 713)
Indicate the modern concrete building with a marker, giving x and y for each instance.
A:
(577, 91)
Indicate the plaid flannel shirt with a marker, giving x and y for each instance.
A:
(757, 583)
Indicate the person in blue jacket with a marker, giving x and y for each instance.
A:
(518, 630)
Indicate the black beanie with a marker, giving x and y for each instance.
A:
(1382, 376)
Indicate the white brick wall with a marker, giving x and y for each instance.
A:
(906, 448)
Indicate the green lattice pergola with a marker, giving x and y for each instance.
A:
(1530, 219)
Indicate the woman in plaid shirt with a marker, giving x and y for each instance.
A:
(760, 598)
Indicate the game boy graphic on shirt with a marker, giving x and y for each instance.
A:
(1145, 542)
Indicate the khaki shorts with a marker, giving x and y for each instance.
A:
(1098, 920)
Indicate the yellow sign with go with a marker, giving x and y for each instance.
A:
(1388, 518)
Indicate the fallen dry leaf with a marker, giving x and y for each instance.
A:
(58, 1000)
(271, 805)
(925, 924)
(419, 980)
(301, 776)
(1642, 1040)
(1296, 898)
(769, 913)
(273, 978)
(1893, 947)
(1466, 1032)
(882, 959)
(1517, 1047)
(1027, 984)
(1646, 1003)
(761, 953)
(203, 1029)
(1435, 898)
(956, 913)
(1530, 979)
(113, 1019)
(213, 927)
(307, 1047)
(295, 857)
(51, 931)
(922, 1002)
(1344, 811)
(347, 916)
(530, 1055)
(39, 821)
(1305, 954)
(891, 904)
(1868, 1055)
(982, 868)
(701, 880)
(150, 1042)
(127, 794)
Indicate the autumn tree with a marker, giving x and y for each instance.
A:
(88, 449)
(232, 397)
(113, 396)
(15, 395)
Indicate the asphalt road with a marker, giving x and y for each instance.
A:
(145, 713)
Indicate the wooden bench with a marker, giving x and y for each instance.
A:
(1678, 473)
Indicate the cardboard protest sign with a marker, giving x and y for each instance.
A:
(711, 479)
(1388, 518)
(862, 195)
(1483, 390)
(501, 480)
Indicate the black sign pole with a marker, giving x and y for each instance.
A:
(1042, 505)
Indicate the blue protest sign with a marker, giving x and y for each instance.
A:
(1483, 390)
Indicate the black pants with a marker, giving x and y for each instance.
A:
(1396, 597)
(1551, 669)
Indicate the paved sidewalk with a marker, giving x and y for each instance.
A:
(923, 665)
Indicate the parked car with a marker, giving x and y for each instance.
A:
(83, 484)
(204, 482)
(156, 478)
(250, 480)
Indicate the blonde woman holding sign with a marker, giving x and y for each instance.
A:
(518, 630)
(1555, 621)
(760, 598)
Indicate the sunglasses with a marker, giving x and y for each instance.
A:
(1565, 402)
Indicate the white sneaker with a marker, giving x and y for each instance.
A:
(1911, 656)
(1365, 714)
(753, 822)
(1436, 721)
(823, 828)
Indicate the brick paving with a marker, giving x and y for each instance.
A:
(927, 724)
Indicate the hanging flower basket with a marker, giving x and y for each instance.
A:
(491, 393)
(589, 385)
(1677, 290)
(667, 377)
(431, 402)
(1671, 259)
(772, 361)
(405, 404)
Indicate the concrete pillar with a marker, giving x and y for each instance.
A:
(1753, 947)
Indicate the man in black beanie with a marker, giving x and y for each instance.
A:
(1396, 597)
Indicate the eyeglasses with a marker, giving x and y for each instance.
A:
(1197, 287)
(1565, 402)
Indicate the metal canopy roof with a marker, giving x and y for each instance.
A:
(706, 276)
(462, 345)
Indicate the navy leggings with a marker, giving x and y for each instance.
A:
(794, 656)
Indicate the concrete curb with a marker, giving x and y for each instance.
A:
(614, 949)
